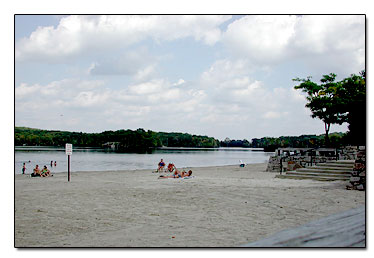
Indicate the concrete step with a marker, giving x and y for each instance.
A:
(336, 165)
(329, 171)
(324, 170)
(318, 174)
(319, 178)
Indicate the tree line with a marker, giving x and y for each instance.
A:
(126, 140)
(141, 140)
(336, 140)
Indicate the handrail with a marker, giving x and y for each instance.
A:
(312, 155)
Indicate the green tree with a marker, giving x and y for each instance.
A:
(352, 95)
(323, 100)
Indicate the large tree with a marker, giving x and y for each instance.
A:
(352, 95)
(322, 100)
(338, 102)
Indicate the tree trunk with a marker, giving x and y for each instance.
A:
(327, 129)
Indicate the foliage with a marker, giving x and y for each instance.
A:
(304, 141)
(353, 101)
(126, 140)
(235, 143)
(337, 102)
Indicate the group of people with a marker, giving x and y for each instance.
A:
(37, 172)
(171, 168)
(161, 167)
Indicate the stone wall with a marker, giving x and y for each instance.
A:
(292, 162)
(296, 161)
(358, 175)
(351, 152)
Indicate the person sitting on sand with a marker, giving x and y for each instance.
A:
(170, 167)
(45, 172)
(36, 171)
(161, 165)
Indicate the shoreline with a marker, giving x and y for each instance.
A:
(222, 206)
(150, 169)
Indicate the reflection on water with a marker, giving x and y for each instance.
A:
(95, 159)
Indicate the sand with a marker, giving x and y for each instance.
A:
(224, 206)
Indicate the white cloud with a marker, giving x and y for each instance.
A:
(147, 87)
(90, 98)
(24, 90)
(145, 73)
(234, 97)
(179, 82)
(324, 41)
(275, 114)
(76, 35)
(136, 62)
(264, 38)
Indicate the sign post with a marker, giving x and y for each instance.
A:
(69, 152)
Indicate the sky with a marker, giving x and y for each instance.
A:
(215, 75)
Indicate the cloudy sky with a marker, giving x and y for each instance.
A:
(221, 76)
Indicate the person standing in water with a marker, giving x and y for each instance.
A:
(23, 168)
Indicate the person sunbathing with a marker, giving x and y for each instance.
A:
(171, 167)
(174, 175)
(177, 174)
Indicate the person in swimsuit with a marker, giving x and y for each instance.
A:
(177, 174)
(36, 171)
(161, 165)
(170, 167)
(45, 172)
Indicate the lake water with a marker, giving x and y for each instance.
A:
(88, 159)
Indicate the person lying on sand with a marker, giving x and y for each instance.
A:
(177, 174)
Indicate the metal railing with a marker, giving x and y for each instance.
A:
(312, 153)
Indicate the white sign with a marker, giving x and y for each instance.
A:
(69, 149)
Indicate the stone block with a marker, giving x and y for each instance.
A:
(354, 179)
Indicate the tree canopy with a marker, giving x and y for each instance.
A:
(338, 102)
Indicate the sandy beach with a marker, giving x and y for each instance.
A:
(224, 206)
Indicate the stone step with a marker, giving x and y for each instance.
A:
(324, 170)
(319, 178)
(319, 174)
(337, 165)
(346, 162)
(332, 170)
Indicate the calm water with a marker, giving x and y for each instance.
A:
(101, 160)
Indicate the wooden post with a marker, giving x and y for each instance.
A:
(68, 151)
(68, 168)
(281, 165)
